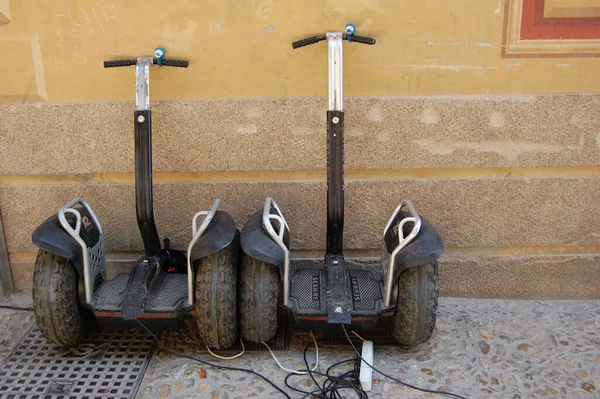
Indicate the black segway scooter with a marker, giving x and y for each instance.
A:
(403, 291)
(70, 288)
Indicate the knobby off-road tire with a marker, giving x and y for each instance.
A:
(56, 305)
(216, 297)
(259, 293)
(417, 305)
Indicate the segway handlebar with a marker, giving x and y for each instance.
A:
(307, 41)
(316, 39)
(124, 63)
(361, 39)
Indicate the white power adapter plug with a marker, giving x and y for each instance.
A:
(366, 372)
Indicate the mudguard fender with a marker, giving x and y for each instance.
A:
(51, 237)
(220, 233)
(257, 243)
(426, 248)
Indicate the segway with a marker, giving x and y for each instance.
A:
(402, 292)
(71, 292)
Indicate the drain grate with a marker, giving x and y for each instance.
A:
(110, 364)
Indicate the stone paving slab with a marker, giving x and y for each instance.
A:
(480, 349)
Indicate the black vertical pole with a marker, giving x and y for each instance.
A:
(143, 183)
(338, 282)
(335, 182)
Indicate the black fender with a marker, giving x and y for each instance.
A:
(257, 243)
(52, 237)
(220, 233)
(426, 248)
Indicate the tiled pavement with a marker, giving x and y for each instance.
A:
(480, 349)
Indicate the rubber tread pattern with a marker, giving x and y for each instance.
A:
(259, 293)
(302, 289)
(172, 292)
(109, 293)
(369, 290)
(55, 300)
(417, 305)
(216, 297)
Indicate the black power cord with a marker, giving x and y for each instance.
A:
(348, 380)
(328, 390)
(181, 355)
(16, 308)
(333, 385)
(395, 379)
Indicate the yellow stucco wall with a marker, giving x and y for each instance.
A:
(429, 119)
(53, 50)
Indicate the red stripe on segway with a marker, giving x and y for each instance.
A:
(325, 318)
(160, 316)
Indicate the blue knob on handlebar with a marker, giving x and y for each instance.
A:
(350, 30)
(159, 54)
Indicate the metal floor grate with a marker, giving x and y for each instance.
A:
(110, 364)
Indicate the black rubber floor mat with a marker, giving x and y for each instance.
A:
(110, 364)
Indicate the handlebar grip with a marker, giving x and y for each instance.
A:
(307, 41)
(363, 39)
(119, 63)
(174, 63)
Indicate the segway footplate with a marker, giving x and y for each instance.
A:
(108, 297)
(167, 295)
(308, 293)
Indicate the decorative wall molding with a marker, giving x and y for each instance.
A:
(551, 28)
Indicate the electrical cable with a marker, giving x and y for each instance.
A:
(196, 359)
(349, 380)
(332, 385)
(395, 379)
(310, 372)
(299, 372)
(352, 374)
(228, 357)
(359, 337)
(16, 308)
